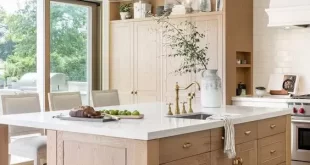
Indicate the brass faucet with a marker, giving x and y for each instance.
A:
(190, 100)
(177, 98)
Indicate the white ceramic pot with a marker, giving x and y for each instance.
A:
(124, 15)
(260, 93)
(211, 89)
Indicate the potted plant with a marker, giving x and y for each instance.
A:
(184, 40)
(124, 10)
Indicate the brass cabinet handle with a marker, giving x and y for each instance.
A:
(238, 161)
(272, 126)
(247, 132)
(235, 162)
(132, 92)
(136, 92)
(272, 151)
(187, 145)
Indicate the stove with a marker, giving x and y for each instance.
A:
(300, 128)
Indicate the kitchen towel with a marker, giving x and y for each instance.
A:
(229, 139)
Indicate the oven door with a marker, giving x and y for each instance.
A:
(300, 140)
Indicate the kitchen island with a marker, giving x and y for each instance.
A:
(262, 137)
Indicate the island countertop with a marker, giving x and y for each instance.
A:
(154, 125)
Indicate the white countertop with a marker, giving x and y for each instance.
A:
(154, 125)
(269, 98)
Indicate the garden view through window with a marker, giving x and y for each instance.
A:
(68, 46)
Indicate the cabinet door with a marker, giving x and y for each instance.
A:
(211, 26)
(246, 151)
(146, 62)
(121, 58)
(170, 64)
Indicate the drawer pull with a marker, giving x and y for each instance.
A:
(247, 132)
(238, 161)
(272, 126)
(187, 145)
(272, 151)
(223, 138)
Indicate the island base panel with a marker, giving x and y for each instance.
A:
(4, 145)
(66, 148)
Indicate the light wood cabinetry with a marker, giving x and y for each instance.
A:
(121, 61)
(184, 146)
(201, 159)
(140, 67)
(146, 62)
(134, 60)
(198, 148)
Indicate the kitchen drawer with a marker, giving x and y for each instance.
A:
(201, 159)
(217, 139)
(182, 146)
(271, 150)
(245, 132)
(271, 126)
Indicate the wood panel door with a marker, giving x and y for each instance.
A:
(246, 151)
(212, 27)
(146, 62)
(121, 61)
(170, 64)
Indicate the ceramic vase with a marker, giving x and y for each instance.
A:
(124, 15)
(211, 89)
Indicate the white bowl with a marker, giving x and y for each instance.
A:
(260, 93)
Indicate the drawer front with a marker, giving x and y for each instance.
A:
(219, 158)
(178, 147)
(271, 126)
(201, 159)
(245, 132)
(271, 150)
(217, 139)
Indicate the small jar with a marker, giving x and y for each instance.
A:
(205, 5)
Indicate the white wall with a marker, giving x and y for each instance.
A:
(278, 50)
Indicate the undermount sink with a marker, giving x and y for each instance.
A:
(198, 116)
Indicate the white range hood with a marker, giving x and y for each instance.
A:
(289, 13)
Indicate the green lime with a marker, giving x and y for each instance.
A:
(120, 112)
(124, 113)
(136, 113)
(128, 113)
(107, 112)
(116, 112)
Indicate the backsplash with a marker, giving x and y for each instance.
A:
(279, 51)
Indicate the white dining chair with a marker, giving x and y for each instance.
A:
(23, 142)
(105, 98)
(64, 100)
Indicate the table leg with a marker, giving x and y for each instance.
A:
(4, 145)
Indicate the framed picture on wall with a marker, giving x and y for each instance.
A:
(219, 5)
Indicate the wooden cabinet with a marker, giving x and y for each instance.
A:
(121, 61)
(247, 152)
(201, 159)
(197, 148)
(134, 62)
(140, 63)
(170, 64)
(146, 62)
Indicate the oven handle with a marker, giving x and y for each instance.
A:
(299, 121)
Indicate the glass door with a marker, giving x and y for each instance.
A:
(72, 47)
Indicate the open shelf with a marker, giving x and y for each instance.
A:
(243, 66)
(115, 16)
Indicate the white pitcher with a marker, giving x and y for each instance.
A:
(211, 89)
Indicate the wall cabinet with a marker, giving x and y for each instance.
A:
(140, 67)
(134, 60)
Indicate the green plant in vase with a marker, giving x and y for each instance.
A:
(124, 10)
